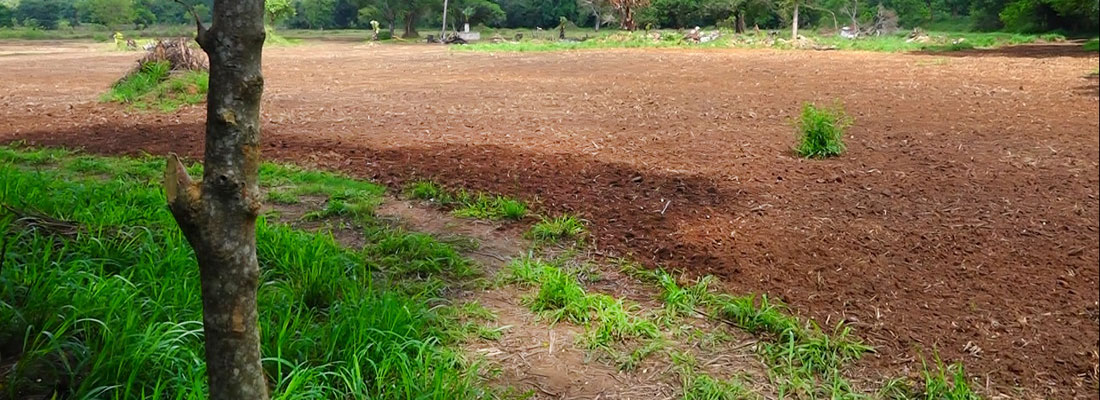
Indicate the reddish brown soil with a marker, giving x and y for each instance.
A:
(963, 219)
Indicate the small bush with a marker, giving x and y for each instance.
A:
(822, 131)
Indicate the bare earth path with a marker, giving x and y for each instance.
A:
(963, 219)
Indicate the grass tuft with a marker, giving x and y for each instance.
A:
(821, 131)
(467, 205)
(553, 230)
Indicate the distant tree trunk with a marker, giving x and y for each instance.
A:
(740, 23)
(794, 22)
(628, 19)
(410, 26)
(218, 214)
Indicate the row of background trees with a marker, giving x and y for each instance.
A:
(405, 16)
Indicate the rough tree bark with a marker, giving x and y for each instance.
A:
(218, 214)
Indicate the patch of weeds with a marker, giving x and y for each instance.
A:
(700, 386)
(411, 253)
(617, 323)
(552, 230)
(155, 86)
(468, 320)
(488, 333)
(941, 383)
(821, 131)
(358, 208)
(629, 360)
(758, 315)
(31, 156)
(467, 205)
(560, 297)
(1092, 45)
(705, 387)
(483, 206)
(527, 271)
(282, 197)
(89, 165)
(428, 191)
(682, 300)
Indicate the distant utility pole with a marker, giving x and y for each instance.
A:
(443, 31)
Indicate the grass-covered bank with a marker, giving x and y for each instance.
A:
(99, 293)
(156, 86)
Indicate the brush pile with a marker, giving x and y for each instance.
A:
(178, 53)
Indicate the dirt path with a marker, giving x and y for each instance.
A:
(963, 219)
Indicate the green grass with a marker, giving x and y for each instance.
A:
(939, 382)
(700, 386)
(484, 206)
(466, 204)
(95, 32)
(553, 230)
(560, 296)
(111, 309)
(939, 40)
(821, 131)
(282, 197)
(1092, 45)
(155, 86)
(273, 38)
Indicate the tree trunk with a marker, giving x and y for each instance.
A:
(740, 24)
(628, 19)
(794, 23)
(410, 27)
(218, 214)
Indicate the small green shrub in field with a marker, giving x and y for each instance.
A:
(821, 131)
(555, 229)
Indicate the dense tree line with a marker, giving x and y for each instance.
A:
(406, 16)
